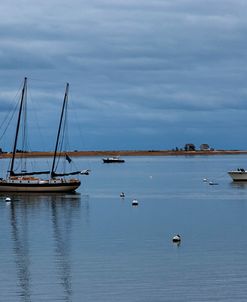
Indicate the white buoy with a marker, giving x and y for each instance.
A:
(134, 202)
(212, 183)
(8, 199)
(176, 238)
(205, 179)
(122, 194)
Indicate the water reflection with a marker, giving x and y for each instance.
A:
(20, 246)
(64, 210)
(239, 184)
(62, 231)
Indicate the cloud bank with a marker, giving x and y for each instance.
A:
(143, 75)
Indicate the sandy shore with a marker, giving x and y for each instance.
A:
(129, 153)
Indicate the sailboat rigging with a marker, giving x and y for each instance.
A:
(25, 181)
(53, 172)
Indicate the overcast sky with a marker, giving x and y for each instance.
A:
(143, 74)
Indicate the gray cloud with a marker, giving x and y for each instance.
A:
(154, 73)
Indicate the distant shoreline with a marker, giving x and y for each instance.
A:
(128, 153)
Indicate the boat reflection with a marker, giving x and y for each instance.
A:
(239, 184)
(21, 252)
(64, 211)
(62, 231)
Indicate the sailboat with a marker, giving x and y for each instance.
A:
(28, 181)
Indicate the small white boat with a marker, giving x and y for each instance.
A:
(8, 199)
(85, 172)
(238, 175)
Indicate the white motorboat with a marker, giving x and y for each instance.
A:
(238, 175)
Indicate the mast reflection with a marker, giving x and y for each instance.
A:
(63, 210)
(62, 226)
(19, 234)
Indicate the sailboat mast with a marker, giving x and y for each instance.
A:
(59, 129)
(18, 126)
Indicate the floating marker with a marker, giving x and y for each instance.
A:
(8, 199)
(212, 183)
(176, 238)
(134, 202)
(122, 194)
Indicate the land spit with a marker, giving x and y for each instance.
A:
(127, 153)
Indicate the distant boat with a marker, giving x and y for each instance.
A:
(113, 159)
(238, 175)
(24, 181)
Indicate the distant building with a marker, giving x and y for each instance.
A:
(204, 147)
(189, 147)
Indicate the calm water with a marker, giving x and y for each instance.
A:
(94, 246)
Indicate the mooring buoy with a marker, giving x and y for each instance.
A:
(176, 238)
(134, 202)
